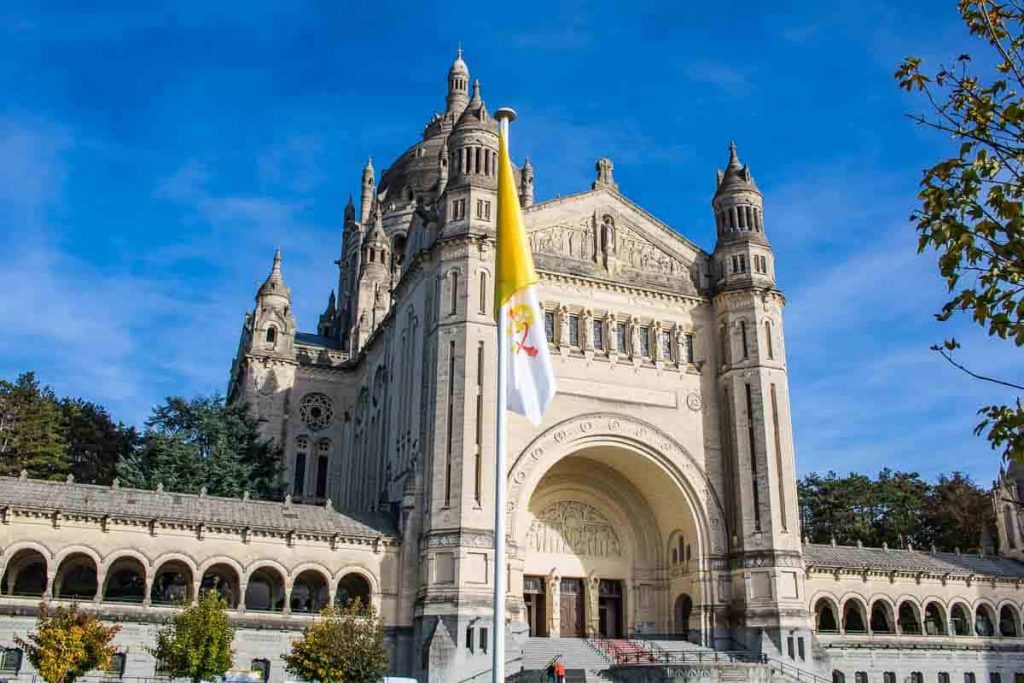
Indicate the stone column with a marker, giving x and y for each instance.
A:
(553, 608)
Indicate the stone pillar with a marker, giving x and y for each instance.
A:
(553, 605)
(242, 587)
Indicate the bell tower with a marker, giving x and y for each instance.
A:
(757, 438)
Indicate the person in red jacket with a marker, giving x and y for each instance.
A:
(559, 672)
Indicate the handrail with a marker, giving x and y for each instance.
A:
(487, 671)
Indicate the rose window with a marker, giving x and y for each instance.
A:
(316, 411)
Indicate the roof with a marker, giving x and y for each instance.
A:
(87, 499)
(883, 559)
(310, 339)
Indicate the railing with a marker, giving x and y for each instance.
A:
(512, 666)
(668, 657)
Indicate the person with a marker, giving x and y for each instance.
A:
(559, 672)
(550, 671)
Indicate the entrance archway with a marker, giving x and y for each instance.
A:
(595, 504)
(681, 612)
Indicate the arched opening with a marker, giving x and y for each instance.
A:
(984, 623)
(961, 622)
(223, 579)
(825, 620)
(683, 607)
(271, 334)
(934, 620)
(172, 584)
(854, 617)
(126, 581)
(25, 575)
(1008, 622)
(352, 586)
(265, 591)
(309, 592)
(881, 618)
(398, 250)
(909, 622)
(76, 578)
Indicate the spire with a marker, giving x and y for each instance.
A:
(274, 285)
(331, 304)
(350, 211)
(736, 175)
(734, 159)
(368, 188)
(476, 92)
(458, 85)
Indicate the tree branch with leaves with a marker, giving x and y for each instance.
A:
(972, 203)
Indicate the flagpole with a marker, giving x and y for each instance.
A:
(505, 115)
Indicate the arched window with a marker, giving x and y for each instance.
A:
(224, 579)
(453, 306)
(262, 667)
(309, 592)
(838, 676)
(483, 292)
(825, 620)
(853, 617)
(682, 548)
(76, 578)
(961, 623)
(25, 574)
(172, 584)
(907, 618)
(683, 608)
(983, 621)
(881, 618)
(1011, 535)
(351, 587)
(322, 465)
(299, 475)
(1008, 626)
(934, 620)
(271, 334)
(265, 591)
(770, 344)
(126, 581)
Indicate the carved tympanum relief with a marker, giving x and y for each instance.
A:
(576, 528)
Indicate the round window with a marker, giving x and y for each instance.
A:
(316, 411)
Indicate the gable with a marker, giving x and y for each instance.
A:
(601, 235)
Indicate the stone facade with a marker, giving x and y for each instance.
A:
(657, 498)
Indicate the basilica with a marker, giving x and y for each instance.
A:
(653, 519)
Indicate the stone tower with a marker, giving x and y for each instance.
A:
(373, 286)
(757, 442)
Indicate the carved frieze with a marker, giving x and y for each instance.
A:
(571, 527)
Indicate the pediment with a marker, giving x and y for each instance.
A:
(600, 234)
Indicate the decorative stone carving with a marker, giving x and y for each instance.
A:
(316, 411)
(694, 402)
(574, 527)
(575, 240)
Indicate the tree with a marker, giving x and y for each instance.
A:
(197, 643)
(344, 645)
(32, 430)
(68, 643)
(971, 210)
(189, 444)
(958, 514)
(95, 443)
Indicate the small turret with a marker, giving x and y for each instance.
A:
(350, 212)
(273, 325)
(368, 190)
(742, 257)
(327, 319)
(374, 284)
(458, 86)
(526, 184)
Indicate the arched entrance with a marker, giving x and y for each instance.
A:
(681, 613)
(595, 516)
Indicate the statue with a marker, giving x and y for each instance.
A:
(607, 239)
(634, 338)
(563, 326)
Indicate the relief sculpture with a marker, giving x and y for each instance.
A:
(575, 241)
(576, 528)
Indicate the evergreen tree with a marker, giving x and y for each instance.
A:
(959, 514)
(95, 442)
(32, 430)
(197, 643)
(189, 444)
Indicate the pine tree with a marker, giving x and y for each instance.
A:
(32, 430)
(95, 442)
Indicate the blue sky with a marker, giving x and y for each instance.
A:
(152, 155)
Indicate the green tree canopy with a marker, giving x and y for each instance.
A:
(971, 213)
(189, 444)
(897, 509)
(68, 644)
(197, 643)
(95, 443)
(343, 645)
(32, 430)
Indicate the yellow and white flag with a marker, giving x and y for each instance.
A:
(530, 383)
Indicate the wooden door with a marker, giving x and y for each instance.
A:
(534, 598)
(571, 608)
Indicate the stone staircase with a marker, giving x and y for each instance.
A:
(577, 654)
